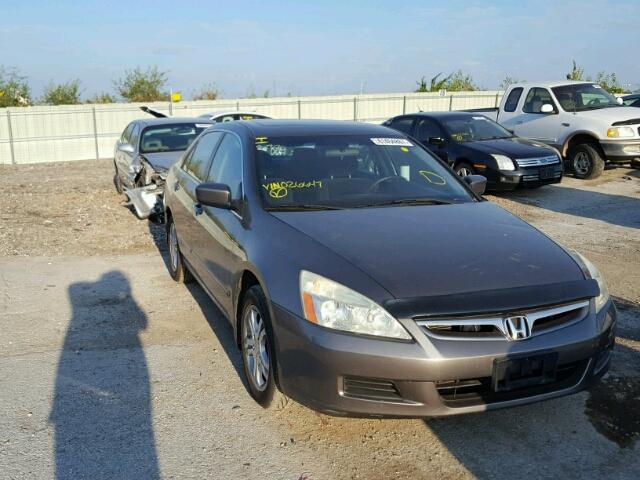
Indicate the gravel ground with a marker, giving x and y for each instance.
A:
(110, 370)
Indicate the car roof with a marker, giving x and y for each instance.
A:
(551, 84)
(442, 115)
(220, 113)
(266, 128)
(173, 120)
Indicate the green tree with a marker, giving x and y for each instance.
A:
(461, 82)
(207, 92)
(14, 89)
(576, 72)
(101, 98)
(139, 85)
(435, 84)
(508, 81)
(609, 81)
(67, 93)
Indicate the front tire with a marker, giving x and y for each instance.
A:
(176, 266)
(117, 181)
(258, 352)
(463, 169)
(586, 161)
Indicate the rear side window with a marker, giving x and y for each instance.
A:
(126, 135)
(135, 136)
(512, 100)
(227, 165)
(535, 99)
(402, 125)
(198, 164)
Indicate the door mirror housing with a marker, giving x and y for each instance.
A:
(547, 108)
(214, 195)
(126, 148)
(619, 100)
(477, 183)
(437, 141)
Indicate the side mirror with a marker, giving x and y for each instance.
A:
(214, 195)
(547, 108)
(477, 183)
(436, 141)
(619, 100)
(126, 148)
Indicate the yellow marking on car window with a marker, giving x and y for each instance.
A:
(404, 149)
(262, 139)
(433, 177)
(281, 189)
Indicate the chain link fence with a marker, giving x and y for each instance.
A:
(82, 132)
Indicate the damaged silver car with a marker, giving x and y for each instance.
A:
(144, 153)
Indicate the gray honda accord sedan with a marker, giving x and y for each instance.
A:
(362, 277)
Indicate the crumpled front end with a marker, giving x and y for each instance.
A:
(146, 197)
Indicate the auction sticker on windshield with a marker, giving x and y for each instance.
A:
(392, 142)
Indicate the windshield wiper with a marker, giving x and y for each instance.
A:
(307, 206)
(407, 201)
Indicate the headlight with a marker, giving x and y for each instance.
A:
(504, 162)
(332, 305)
(591, 270)
(620, 132)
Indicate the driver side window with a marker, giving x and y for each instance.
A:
(536, 98)
(426, 129)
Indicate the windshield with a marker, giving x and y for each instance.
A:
(474, 128)
(170, 137)
(584, 96)
(350, 172)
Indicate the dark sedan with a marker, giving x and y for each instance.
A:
(632, 100)
(362, 277)
(471, 143)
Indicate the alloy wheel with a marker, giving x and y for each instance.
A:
(173, 247)
(463, 171)
(581, 163)
(255, 348)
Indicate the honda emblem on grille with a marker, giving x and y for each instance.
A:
(517, 328)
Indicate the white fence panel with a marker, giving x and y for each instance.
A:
(79, 132)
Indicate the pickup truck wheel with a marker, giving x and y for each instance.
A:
(635, 163)
(586, 161)
(117, 181)
(463, 169)
(177, 270)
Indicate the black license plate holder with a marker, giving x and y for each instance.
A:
(523, 371)
(546, 173)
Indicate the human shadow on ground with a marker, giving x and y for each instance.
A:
(102, 401)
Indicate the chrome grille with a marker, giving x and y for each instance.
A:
(538, 161)
(540, 321)
(534, 177)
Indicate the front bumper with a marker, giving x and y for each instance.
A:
(524, 177)
(319, 368)
(621, 150)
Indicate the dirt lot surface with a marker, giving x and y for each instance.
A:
(108, 369)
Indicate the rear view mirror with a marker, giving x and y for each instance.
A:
(126, 148)
(214, 195)
(436, 141)
(477, 183)
(547, 108)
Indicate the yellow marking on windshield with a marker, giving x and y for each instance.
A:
(404, 149)
(281, 189)
(433, 177)
(262, 139)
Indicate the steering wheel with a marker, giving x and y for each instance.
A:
(382, 180)
(594, 101)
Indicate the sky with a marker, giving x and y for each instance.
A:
(315, 47)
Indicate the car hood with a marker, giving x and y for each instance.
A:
(612, 115)
(514, 147)
(162, 161)
(415, 251)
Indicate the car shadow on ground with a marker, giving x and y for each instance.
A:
(215, 318)
(614, 209)
(549, 439)
(101, 410)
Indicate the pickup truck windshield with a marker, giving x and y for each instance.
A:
(583, 96)
(474, 128)
(344, 171)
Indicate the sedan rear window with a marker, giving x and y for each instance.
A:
(350, 172)
(170, 137)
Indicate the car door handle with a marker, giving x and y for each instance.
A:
(176, 187)
(197, 209)
(564, 124)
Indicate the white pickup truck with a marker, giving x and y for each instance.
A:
(588, 125)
